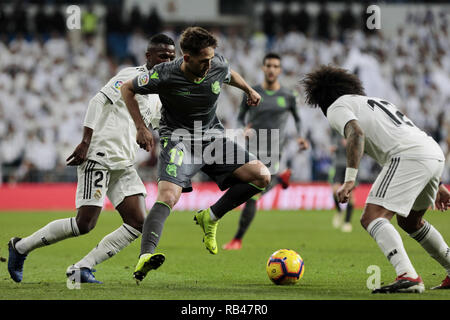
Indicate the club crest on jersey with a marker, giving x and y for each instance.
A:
(118, 84)
(281, 101)
(171, 170)
(98, 194)
(215, 87)
(143, 80)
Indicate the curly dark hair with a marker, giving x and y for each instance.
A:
(194, 39)
(326, 84)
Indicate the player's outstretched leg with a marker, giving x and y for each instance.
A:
(51, 233)
(375, 220)
(132, 211)
(254, 178)
(249, 211)
(430, 239)
(152, 230)
(168, 195)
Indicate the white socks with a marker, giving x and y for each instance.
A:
(431, 240)
(109, 246)
(53, 232)
(391, 244)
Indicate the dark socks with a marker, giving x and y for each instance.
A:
(247, 216)
(153, 226)
(235, 196)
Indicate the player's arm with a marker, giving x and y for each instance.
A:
(236, 80)
(144, 137)
(243, 109)
(355, 150)
(93, 112)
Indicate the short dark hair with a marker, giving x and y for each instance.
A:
(326, 84)
(271, 55)
(160, 38)
(194, 39)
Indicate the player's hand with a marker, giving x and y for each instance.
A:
(144, 138)
(253, 98)
(344, 191)
(303, 143)
(79, 155)
(442, 199)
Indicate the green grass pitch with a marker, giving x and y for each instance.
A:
(336, 263)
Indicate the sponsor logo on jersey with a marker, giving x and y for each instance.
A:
(143, 80)
(118, 84)
(215, 87)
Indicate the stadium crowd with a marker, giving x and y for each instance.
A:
(48, 77)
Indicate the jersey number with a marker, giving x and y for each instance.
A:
(398, 118)
(175, 152)
(99, 176)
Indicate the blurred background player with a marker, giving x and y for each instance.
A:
(408, 184)
(105, 160)
(189, 88)
(336, 178)
(277, 103)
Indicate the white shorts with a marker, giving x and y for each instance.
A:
(407, 184)
(95, 182)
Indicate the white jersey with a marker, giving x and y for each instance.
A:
(113, 143)
(387, 131)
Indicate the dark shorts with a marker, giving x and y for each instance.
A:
(179, 161)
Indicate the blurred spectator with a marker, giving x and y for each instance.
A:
(135, 20)
(303, 20)
(269, 22)
(347, 20)
(19, 19)
(58, 22)
(287, 18)
(42, 21)
(153, 23)
(46, 83)
(323, 22)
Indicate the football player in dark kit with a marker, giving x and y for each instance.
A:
(192, 139)
(277, 103)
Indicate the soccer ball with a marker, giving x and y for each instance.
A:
(285, 266)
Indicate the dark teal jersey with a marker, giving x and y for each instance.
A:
(185, 102)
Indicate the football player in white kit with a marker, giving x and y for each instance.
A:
(409, 182)
(105, 160)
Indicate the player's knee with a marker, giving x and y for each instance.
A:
(169, 198)
(409, 225)
(85, 225)
(365, 220)
(137, 222)
(264, 177)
